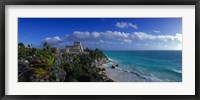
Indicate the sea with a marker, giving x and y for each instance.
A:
(144, 65)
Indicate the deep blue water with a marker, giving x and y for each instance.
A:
(155, 65)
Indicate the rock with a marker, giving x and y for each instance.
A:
(84, 78)
(58, 75)
(103, 69)
(100, 73)
(74, 80)
(30, 57)
(61, 75)
(21, 67)
(125, 71)
(113, 67)
(53, 76)
(117, 65)
(47, 81)
(26, 61)
(25, 76)
(109, 80)
(95, 61)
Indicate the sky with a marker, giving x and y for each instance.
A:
(103, 33)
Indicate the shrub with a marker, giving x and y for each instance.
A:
(47, 57)
(41, 72)
(68, 67)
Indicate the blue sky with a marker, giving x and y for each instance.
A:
(103, 33)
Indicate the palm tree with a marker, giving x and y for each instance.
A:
(21, 45)
(45, 44)
(29, 45)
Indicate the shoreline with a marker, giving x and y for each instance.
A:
(118, 74)
(139, 67)
(106, 73)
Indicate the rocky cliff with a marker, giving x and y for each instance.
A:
(44, 65)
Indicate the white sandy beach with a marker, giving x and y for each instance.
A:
(118, 74)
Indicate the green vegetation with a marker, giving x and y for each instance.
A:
(95, 54)
(81, 68)
(41, 72)
(48, 64)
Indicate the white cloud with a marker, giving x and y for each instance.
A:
(116, 38)
(81, 35)
(127, 40)
(144, 36)
(99, 36)
(95, 34)
(126, 25)
(156, 31)
(53, 40)
(115, 35)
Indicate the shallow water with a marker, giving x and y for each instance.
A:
(148, 66)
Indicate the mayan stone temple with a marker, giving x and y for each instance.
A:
(76, 48)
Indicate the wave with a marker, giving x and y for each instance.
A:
(142, 67)
(141, 75)
(146, 77)
(110, 59)
(177, 71)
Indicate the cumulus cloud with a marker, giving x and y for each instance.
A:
(126, 25)
(117, 36)
(99, 36)
(81, 35)
(144, 36)
(108, 38)
(95, 34)
(53, 40)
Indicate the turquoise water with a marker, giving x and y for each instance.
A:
(155, 65)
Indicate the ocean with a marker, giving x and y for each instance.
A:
(144, 66)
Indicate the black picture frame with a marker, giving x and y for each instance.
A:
(3, 3)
